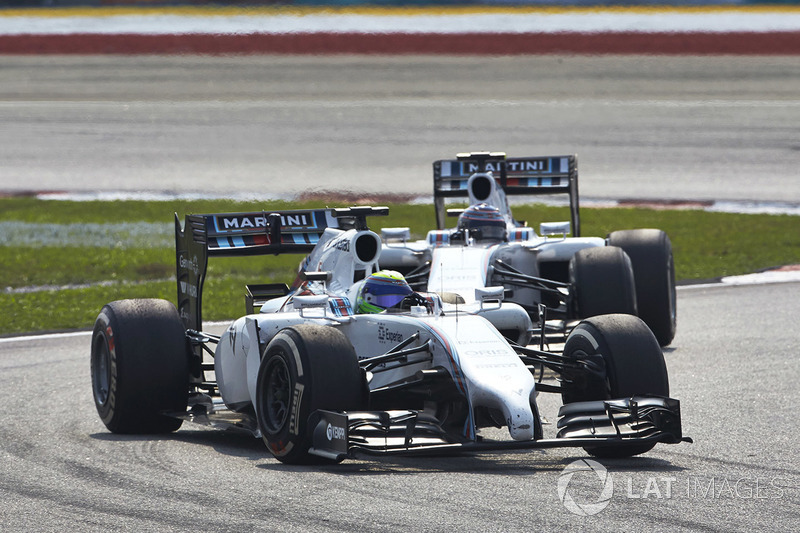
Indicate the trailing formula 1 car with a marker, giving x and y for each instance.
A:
(349, 360)
(630, 271)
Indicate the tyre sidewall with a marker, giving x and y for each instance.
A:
(103, 346)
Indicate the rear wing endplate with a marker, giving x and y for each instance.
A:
(515, 175)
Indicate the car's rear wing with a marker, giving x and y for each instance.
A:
(243, 234)
(515, 175)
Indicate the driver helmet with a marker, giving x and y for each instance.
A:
(381, 290)
(484, 222)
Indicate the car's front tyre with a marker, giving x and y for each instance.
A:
(304, 368)
(634, 366)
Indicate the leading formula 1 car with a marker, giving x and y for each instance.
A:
(631, 271)
(320, 382)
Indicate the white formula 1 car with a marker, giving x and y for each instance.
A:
(320, 382)
(576, 277)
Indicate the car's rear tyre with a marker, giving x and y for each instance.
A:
(304, 368)
(139, 366)
(650, 251)
(634, 366)
(602, 282)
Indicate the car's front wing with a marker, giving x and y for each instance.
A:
(623, 422)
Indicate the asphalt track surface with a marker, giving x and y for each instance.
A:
(267, 126)
(733, 365)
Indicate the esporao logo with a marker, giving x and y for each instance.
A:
(335, 432)
(582, 478)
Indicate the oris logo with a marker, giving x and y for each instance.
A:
(335, 432)
(485, 353)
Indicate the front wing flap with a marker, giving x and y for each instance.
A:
(621, 422)
(625, 419)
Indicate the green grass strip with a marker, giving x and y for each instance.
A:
(129, 265)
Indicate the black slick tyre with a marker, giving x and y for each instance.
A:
(139, 366)
(304, 368)
(650, 251)
(634, 366)
(602, 282)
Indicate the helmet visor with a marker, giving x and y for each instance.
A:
(494, 233)
(386, 300)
